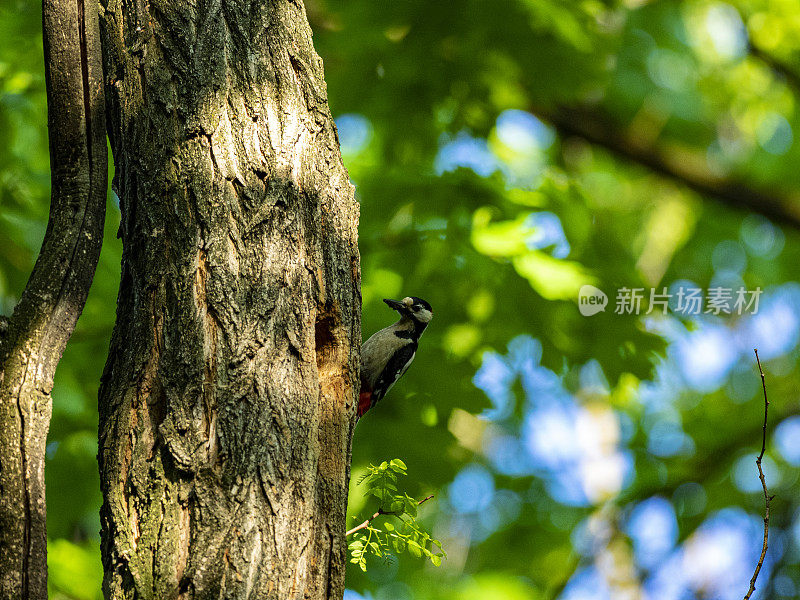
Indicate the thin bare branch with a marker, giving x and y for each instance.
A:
(379, 513)
(767, 497)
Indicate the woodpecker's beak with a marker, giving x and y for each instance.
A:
(395, 305)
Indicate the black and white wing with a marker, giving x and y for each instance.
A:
(396, 367)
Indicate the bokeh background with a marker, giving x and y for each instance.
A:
(505, 153)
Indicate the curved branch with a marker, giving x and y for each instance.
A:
(600, 130)
(777, 66)
(56, 292)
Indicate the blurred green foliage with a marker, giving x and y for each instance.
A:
(461, 127)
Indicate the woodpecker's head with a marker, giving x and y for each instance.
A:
(413, 308)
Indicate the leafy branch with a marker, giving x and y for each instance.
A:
(391, 537)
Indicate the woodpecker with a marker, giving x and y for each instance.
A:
(386, 356)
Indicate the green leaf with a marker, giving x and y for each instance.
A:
(398, 466)
(414, 549)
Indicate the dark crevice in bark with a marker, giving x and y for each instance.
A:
(329, 591)
(84, 64)
(3, 335)
(26, 506)
(324, 343)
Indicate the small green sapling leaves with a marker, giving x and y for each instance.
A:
(400, 531)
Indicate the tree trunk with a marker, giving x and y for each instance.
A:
(33, 340)
(227, 402)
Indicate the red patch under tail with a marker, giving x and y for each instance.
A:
(364, 401)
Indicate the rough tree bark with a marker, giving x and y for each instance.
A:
(33, 339)
(227, 402)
